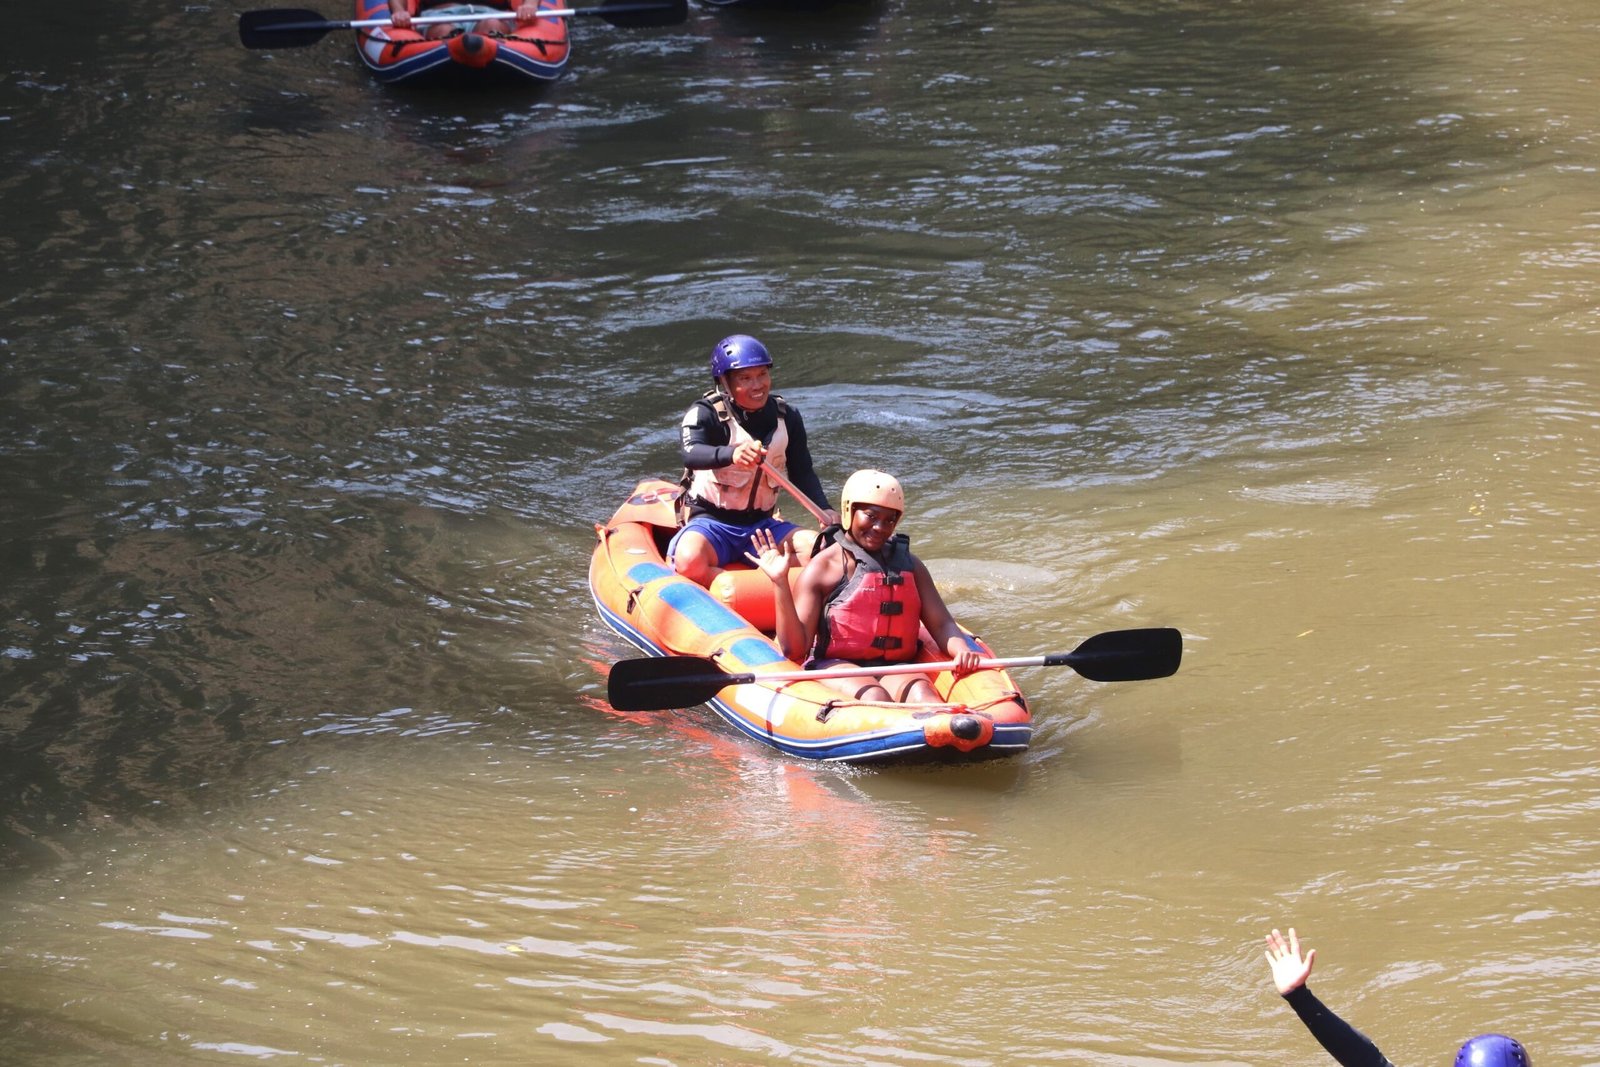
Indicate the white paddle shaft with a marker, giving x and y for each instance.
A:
(888, 668)
(470, 16)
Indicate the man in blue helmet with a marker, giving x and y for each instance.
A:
(730, 436)
(1344, 1042)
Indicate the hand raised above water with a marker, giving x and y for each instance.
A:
(773, 558)
(1289, 971)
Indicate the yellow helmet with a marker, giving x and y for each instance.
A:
(870, 487)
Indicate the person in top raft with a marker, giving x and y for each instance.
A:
(864, 598)
(400, 15)
(1344, 1042)
(727, 437)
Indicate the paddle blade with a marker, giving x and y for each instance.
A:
(632, 14)
(282, 27)
(657, 683)
(1125, 655)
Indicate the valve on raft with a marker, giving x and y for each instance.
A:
(962, 730)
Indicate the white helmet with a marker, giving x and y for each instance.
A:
(870, 487)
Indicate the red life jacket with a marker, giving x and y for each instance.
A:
(874, 615)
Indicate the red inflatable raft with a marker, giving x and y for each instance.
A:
(533, 51)
(454, 42)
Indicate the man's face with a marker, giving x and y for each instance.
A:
(749, 387)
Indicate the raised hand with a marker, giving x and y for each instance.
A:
(773, 557)
(1289, 971)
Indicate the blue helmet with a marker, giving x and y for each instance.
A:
(1493, 1050)
(736, 352)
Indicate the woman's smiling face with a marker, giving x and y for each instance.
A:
(871, 525)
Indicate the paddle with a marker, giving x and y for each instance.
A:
(293, 27)
(659, 682)
(805, 501)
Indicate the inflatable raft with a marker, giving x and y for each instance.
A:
(536, 51)
(467, 48)
(638, 595)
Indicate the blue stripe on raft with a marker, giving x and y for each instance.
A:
(753, 652)
(628, 631)
(875, 745)
(645, 573)
(705, 611)
(700, 608)
(411, 68)
(523, 63)
(1011, 735)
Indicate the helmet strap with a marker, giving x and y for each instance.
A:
(735, 412)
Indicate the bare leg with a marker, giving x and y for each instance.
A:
(889, 688)
(803, 540)
(909, 688)
(695, 559)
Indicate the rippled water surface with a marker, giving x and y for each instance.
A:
(1273, 322)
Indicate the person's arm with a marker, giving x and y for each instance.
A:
(1347, 1045)
(801, 471)
(796, 628)
(703, 439)
(942, 625)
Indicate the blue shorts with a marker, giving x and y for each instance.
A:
(731, 542)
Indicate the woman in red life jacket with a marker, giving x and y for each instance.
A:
(863, 599)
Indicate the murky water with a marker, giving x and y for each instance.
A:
(1273, 322)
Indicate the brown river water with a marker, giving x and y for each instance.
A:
(1275, 322)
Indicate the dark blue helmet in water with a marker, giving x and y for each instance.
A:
(1493, 1050)
(737, 352)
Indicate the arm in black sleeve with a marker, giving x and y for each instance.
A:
(1344, 1042)
(703, 439)
(798, 459)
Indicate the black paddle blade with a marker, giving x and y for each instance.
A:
(283, 27)
(660, 682)
(631, 14)
(1125, 655)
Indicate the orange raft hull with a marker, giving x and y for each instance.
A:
(536, 51)
(639, 596)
